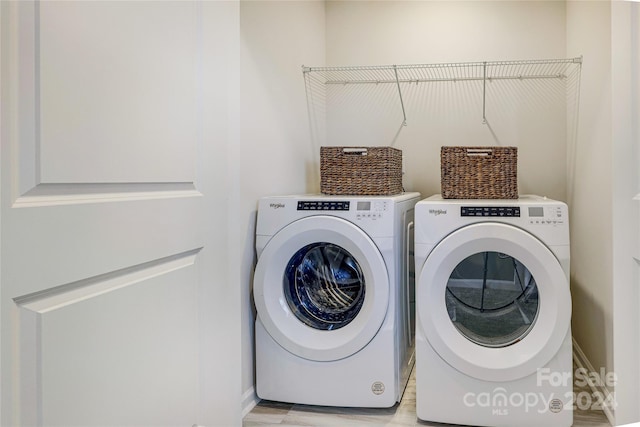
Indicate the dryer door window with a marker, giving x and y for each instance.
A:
(492, 299)
(324, 286)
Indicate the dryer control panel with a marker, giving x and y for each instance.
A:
(503, 211)
(536, 214)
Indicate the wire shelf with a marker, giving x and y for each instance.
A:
(489, 70)
(485, 71)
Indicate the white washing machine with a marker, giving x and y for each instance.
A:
(493, 337)
(332, 287)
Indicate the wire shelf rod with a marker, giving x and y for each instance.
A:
(444, 79)
(486, 71)
(495, 70)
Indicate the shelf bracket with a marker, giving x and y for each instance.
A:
(484, 92)
(404, 114)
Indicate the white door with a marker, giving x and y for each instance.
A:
(493, 302)
(114, 136)
(321, 288)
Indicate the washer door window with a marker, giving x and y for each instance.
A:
(493, 302)
(492, 299)
(321, 288)
(324, 286)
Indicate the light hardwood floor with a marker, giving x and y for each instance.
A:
(268, 413)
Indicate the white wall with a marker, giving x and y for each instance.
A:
(589, 33)
(525, 114)
(220, 386)
(418, 32)
(604, 216)
(276, 155)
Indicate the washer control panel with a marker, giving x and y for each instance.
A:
(370, 209)
(321, 205)
(548, 215)
(363, 209)
(502, 211)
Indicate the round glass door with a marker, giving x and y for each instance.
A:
(492, 299)
(321, 288)
(324, 286)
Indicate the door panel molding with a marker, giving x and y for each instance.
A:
(58, 296)
(24, 53)
(67, 339)
(48, 161)
(75, 194)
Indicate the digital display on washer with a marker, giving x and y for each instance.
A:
(505, 211)
(323, 205)
(536, 211)
(363, 206)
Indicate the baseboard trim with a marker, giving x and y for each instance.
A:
(249, 401)
(582, 361)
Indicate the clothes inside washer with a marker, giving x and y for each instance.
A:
(324, 286)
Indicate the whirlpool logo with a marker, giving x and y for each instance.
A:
(436, 212)
(276, 205)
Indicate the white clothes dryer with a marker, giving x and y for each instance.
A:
(493, 336)
(332, 288)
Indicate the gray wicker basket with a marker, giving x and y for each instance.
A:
(360, 170)
(479, 172)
